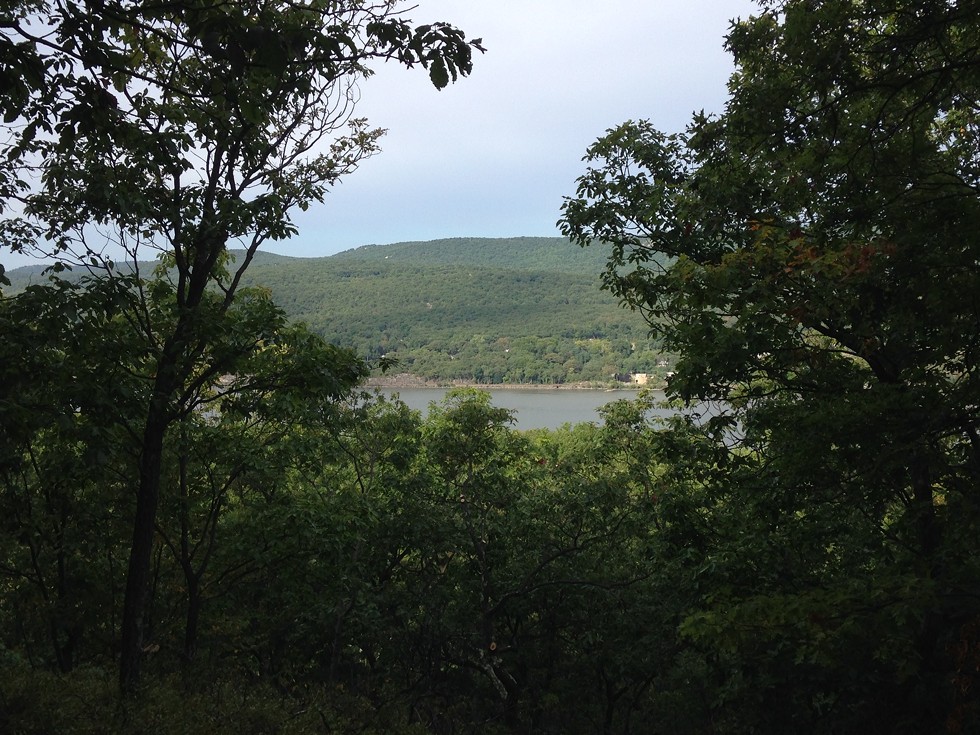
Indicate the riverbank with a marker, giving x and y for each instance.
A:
(404, 381)
(531, 407)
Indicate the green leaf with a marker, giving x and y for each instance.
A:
(438, 74)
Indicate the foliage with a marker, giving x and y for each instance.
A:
(515, 310)
(795, 552)
(458, 570)
(487, 311)
(452, 571)
(546, 254)
(821, 245)
(65, 411)
(182, 128)
(87, 703)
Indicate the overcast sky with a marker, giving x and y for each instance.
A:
(493, 155)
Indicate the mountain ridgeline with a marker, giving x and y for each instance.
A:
(484, 310)
(516, 310)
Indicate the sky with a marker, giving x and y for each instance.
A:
(493, 154)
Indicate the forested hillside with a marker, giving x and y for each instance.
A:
(550, 254)
(485, 310)
(521, 310)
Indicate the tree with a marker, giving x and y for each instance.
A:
(71, 406)
(234, 438)
(68, 394)
(184, 128)
(811, 256)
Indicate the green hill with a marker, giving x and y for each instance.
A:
(513, 310)
(554, 254)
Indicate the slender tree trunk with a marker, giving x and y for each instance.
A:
(144, 523)
(141, 549)
(169, 374)
(71, 631)
(934, 666)
(192, 579)
(172, 369)
(194, 605)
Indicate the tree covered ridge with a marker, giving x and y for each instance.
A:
(518, 310)
(545, 254)
(512, 253)
(483, 310)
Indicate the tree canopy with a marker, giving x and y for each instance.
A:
(181, 128)
(198, 505)
(821, 282)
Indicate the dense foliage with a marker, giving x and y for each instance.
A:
(356, 566)
(823, 283)
(799, 555)
(520, 310)
(183, 128)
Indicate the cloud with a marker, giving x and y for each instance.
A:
(494, 154)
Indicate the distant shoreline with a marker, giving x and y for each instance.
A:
(407, 380)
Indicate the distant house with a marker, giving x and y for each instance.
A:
(640, 378)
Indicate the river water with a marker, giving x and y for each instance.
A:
(544, 408)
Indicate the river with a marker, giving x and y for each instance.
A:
(544, 408)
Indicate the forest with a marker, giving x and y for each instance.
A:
(473, 310)
(210, 526)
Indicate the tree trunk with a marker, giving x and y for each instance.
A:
(194, 605)
(141, 549)
(171, 370)
(144, 523)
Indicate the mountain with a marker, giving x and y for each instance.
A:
(514, 310)
(513, 253)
